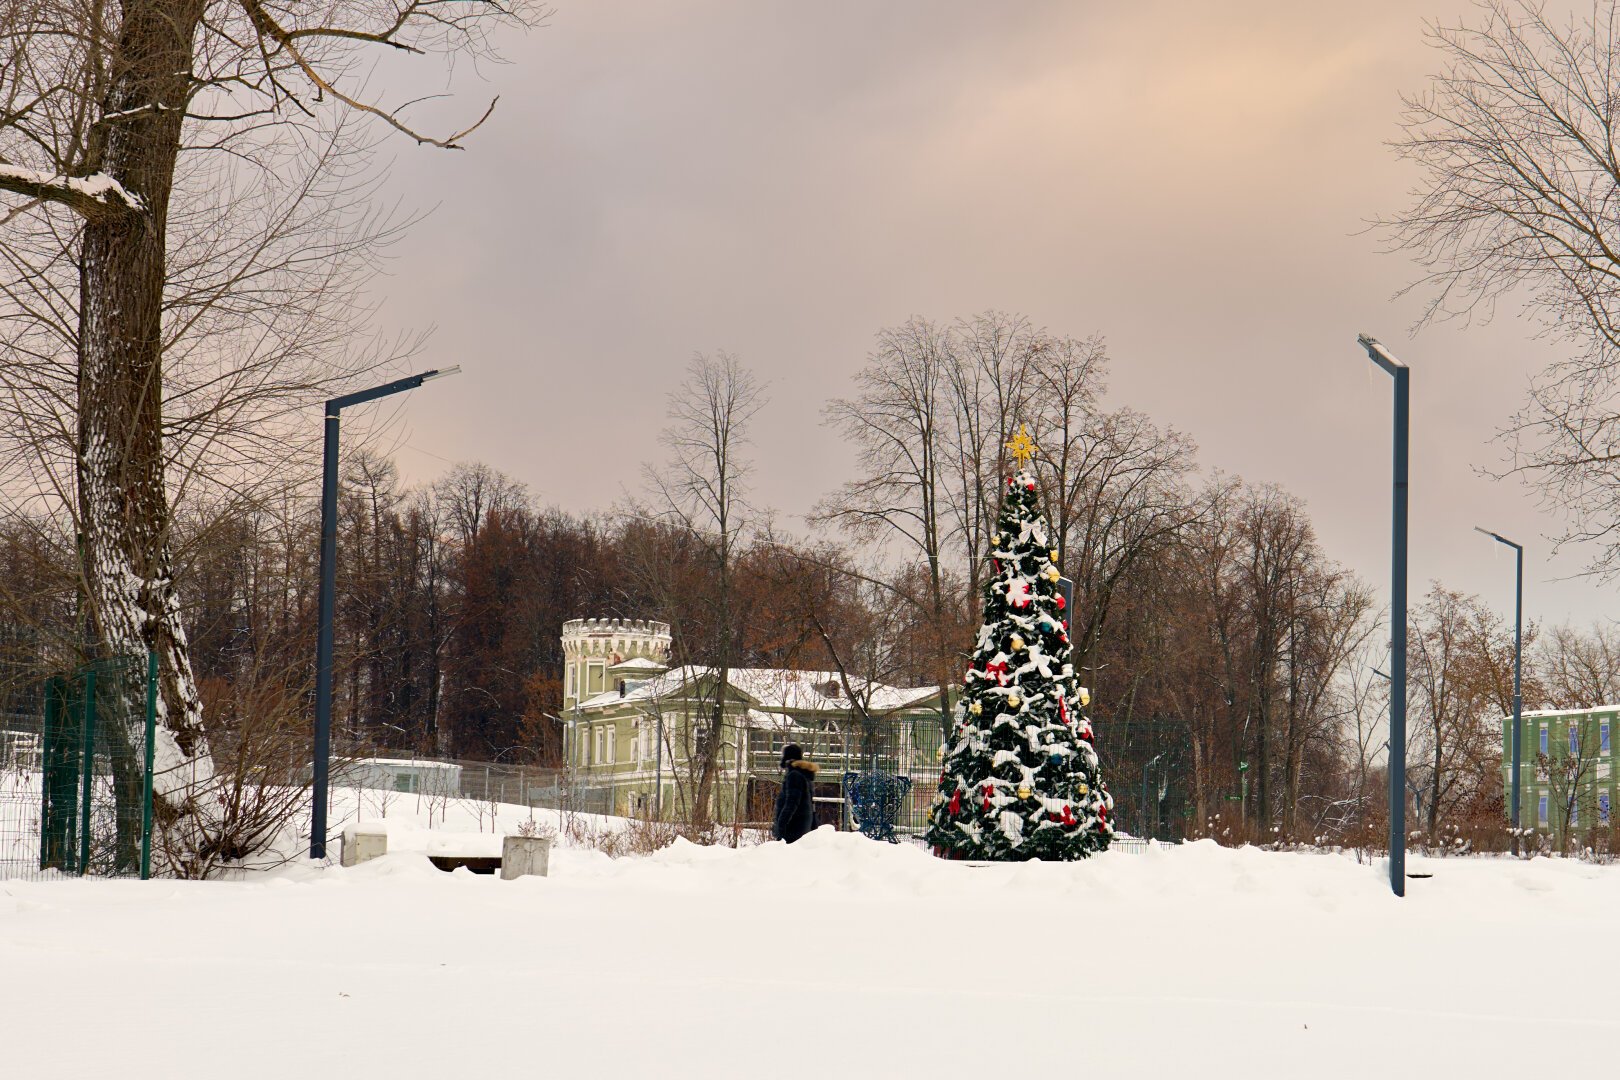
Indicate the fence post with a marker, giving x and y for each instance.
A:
(87, 767)
(48, 809)
(146, 793)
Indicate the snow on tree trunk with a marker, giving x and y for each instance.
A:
(1020, 776)
(130, 604)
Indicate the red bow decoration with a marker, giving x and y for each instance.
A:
(1068, 815)
(999, 670)
(1063, 710)
(956, 802)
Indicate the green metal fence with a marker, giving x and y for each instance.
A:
(76, 794)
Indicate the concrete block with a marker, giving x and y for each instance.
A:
(363, 842)
(525, 856)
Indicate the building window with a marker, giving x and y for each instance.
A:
(1603, 807)
(1543, 738)
(573, 681)
(598, 673)
(612, 745)
(1541, 809)
(1574, 739)
(1603, 737)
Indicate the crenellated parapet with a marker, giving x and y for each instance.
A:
(591, 647)
(624, 637)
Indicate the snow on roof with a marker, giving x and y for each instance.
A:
(1567, 712)
(397, 763)
(808, 691)
(640, 663)
(767, 721)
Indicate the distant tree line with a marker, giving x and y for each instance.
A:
(1233, 665)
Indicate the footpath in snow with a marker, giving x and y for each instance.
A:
(837, 956)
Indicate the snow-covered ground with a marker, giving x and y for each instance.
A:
(837, 956)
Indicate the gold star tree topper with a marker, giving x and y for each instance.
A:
(1022, 446)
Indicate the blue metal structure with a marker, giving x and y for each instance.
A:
(1518, 655)
(328, 598)
(1397, 615)
(875, 798)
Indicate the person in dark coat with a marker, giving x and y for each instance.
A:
(795, 810)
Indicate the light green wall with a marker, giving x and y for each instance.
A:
(1594, 764)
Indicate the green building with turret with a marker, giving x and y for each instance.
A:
(630, 722)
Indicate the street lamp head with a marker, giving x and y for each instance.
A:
(1380, 355)
(439, 373)
(1499, 538)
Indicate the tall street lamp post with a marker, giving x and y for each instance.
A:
(1518, 655)
(1397, 616)
(323, 654)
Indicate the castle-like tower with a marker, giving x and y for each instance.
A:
(598, 652)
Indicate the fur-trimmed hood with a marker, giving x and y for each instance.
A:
(808, 766)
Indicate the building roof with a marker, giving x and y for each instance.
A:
(1566, 712)
(775, 688)
(403, 763)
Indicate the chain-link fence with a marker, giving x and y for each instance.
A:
(76, 774)
(885, 767)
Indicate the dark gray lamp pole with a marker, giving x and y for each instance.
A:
(1518, 654)
(1397, 617)
(328, 598)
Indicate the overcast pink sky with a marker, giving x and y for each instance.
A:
(779, 180)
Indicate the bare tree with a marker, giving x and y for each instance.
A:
(1568, 771)
(1456, 657)
(1575, 670)
(898, 425)
(1516, 138)
(102, 108)
(1117, 485)
(992, 360)
(702, 489)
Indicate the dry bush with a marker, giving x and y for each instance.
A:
(259, 790)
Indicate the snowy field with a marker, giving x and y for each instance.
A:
(836, 957)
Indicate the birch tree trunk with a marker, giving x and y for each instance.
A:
(128, 592)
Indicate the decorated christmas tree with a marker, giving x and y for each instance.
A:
(1020, 774)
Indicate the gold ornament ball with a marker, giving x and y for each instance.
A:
(1082, 789)
(1017, 643)
(1054, 554)
(1085, 696)
(975, 708)
(1023, 792)
(1012, 701)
